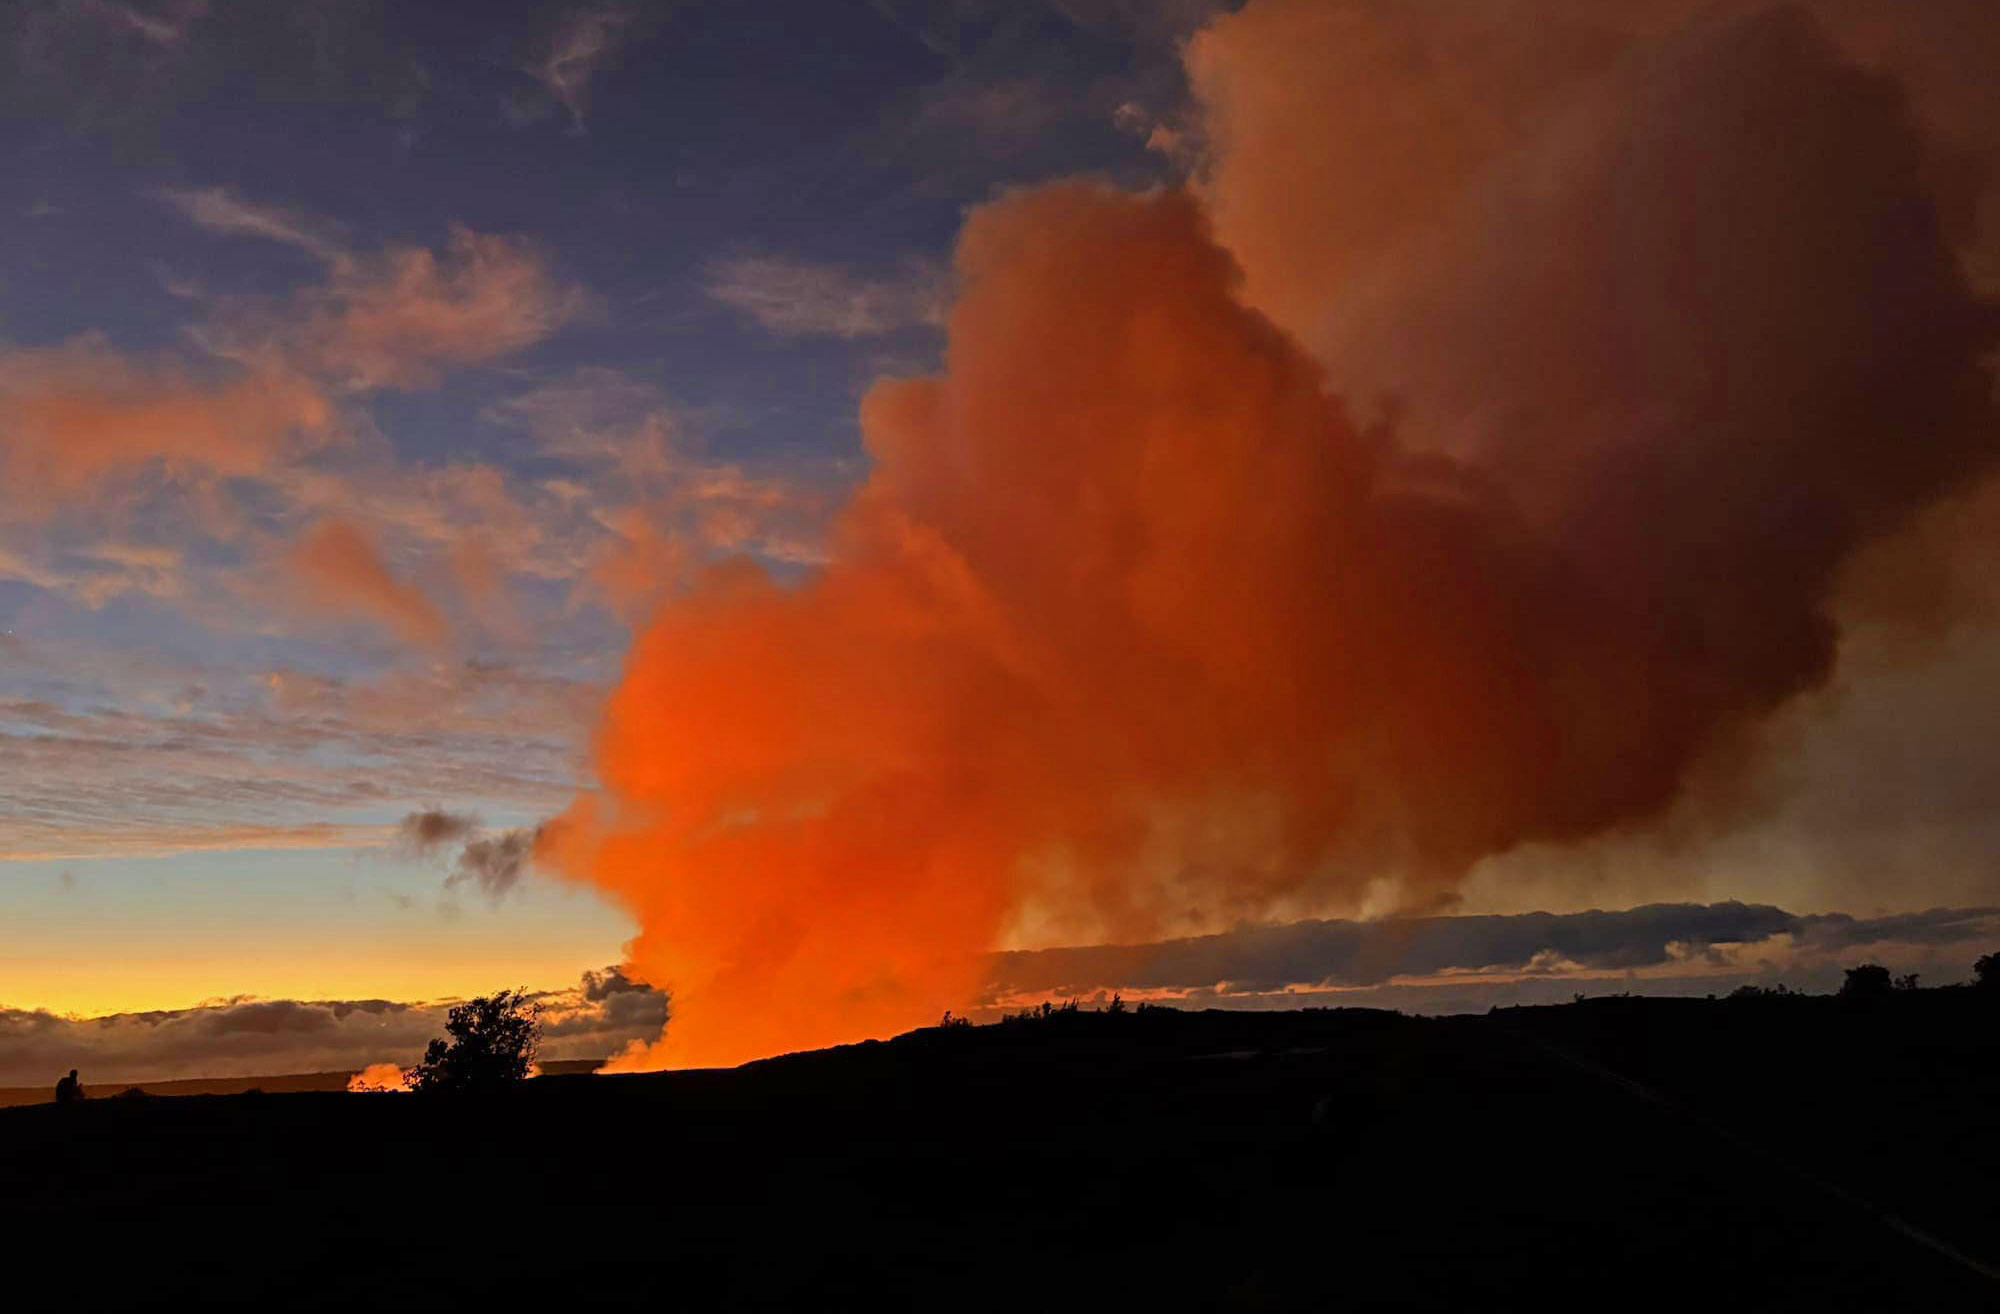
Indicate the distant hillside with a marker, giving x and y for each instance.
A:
(285, 1083)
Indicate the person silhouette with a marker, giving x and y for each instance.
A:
(69, 1090)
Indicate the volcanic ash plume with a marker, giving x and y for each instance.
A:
(1133, 629)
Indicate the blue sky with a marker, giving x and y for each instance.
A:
(738, 216)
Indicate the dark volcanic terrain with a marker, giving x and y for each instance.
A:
(1776, 1153)
(280, 1083)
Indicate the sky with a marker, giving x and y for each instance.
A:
(795, 499)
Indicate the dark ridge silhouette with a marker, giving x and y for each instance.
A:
(1771, 1150)
(274, 1083)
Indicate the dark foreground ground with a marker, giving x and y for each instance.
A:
(282, 1083)
(1621, 1153)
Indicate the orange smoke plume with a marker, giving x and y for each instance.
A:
(1131, 628)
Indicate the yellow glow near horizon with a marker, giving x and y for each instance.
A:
(180, 985)
(181, 967)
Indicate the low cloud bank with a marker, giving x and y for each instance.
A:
(1409, 961)
(1419, 965)
(601, 1015)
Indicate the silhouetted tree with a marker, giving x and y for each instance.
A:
(1117, 1004)
(1986, 972)
(1868, 981)
(1908, 982)
(493, 1043)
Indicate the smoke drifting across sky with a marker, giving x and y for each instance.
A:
(1143, 622)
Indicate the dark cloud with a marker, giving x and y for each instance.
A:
(270, 1017)
(1935, 926)
(638, 1010)
(495, 863)
(423, 832)
(611, 981)
(1345, 954)
(372, 1007)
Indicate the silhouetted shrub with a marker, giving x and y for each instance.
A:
(1045, 1012)
(950, 1023)
(493, 1043)
(1908, 982)
(1117, 1004)
(1986, 972)
(1868, 981)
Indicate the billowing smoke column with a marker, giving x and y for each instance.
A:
(1134, 628)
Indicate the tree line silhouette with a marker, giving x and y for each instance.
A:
(492, 1041)
(1872, 981)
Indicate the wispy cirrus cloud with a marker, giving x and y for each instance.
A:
(162, 22)
(128, 474)
(84, 414)
(400, 317)
(25, 840)
(654, 506)
(803, 298)
(77, 415)
(581, 46)
(343, 574)
(148, 760)
(220, 210)
(94, 574)
(600, 421)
